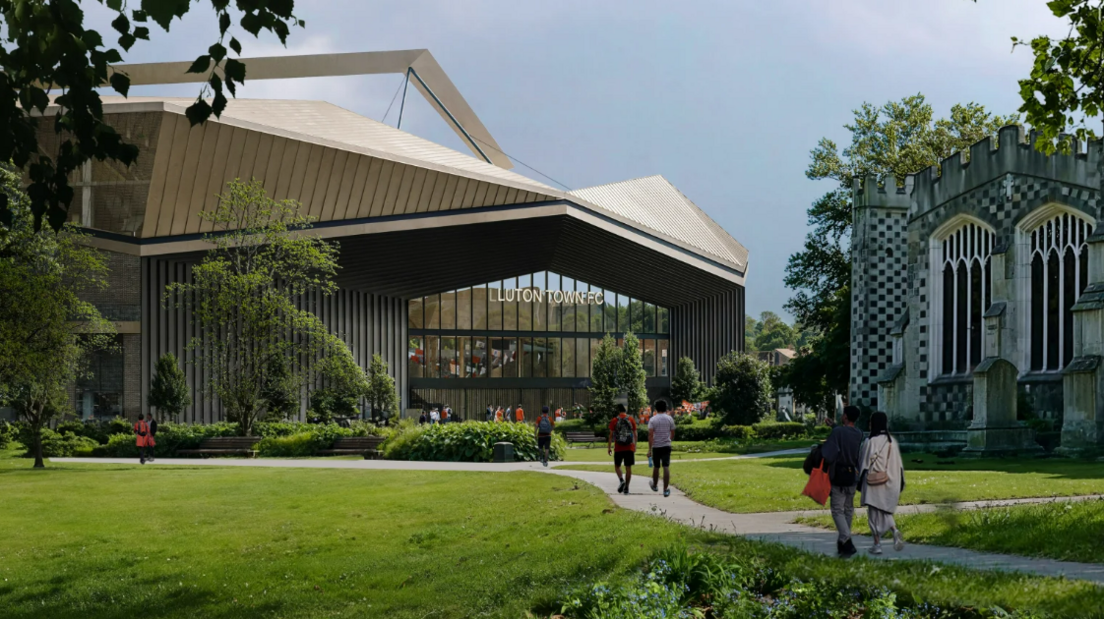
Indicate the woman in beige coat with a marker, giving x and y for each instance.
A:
(882, 477)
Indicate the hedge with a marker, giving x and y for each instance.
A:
(778, 430)
(467, 442)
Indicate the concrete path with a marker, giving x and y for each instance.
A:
(778, 527)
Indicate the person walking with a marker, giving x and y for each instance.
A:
(498, 415)
(882, 478)
(423, 419)
(434, 416)
(448, 414)
(508, 416)
(841, 453)
(490, 413)
(544, 427)
(520, 414)
(141, 431)
(661, 434)
(152, 442)
(621, 444)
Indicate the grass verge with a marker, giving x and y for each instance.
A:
(1063, 531)
(775, 483)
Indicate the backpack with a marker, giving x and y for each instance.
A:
(877, 475)
(623, 431)
(813, 460)
(544, 426)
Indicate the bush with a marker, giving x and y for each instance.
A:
(779, 430)
(740, 433)
(467, 442)
(742, 389)
(117, 446)
(7, 434)
(55, 445)
(294, 446)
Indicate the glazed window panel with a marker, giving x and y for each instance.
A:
(582, 357)
(649, 357)
(494, 306)
(416, 320)
(433, 312)
(479, 308)
(525, 357)
(1058, 277)
(661, 357)
(965, 287)
(540, 303)
(567, 356)
(415, 357)
(448, 310)
(464, 309)
(510, 306)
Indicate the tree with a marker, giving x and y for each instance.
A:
(242, 298)
(381, 394)
(604, 380)
(1063, 89)
(751, 331)
(344, 385)
(893, 140)
(280, 394)
(46, 330)
(632, 374)
(169, 388)
(46, 47)
(774, 333)
(686, 384)
(742, 389)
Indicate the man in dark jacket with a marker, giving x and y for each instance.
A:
(841, 453)
(153, 435)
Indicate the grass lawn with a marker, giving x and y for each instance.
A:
(775, 483)
(125, 541)
(1064, 531)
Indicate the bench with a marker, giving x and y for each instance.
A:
(368, 446)
(224, 446)
(584, 437)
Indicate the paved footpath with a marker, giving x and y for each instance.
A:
(777, 527)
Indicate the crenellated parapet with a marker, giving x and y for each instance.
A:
(1014, 153)
(882, 193)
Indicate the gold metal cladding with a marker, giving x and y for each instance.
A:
(428, 78)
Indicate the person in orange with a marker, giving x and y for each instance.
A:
(544, 427)
(621, 444)
(498, 415)
(519, 414)
(145, 441)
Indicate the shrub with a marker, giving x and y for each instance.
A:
(779, 430)
(740, 433)
(117, 446)
(743, 389)
(293, 446)
(55, 445)
(7, 434)
(467, 442)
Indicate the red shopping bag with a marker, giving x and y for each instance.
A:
(819, 487)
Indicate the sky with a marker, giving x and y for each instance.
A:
(725, 99)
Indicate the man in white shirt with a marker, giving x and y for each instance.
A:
(661, 434)
(434, 416)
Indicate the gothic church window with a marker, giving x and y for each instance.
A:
(1059, 272)
(962, 258)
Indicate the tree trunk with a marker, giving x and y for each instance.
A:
(38, 464)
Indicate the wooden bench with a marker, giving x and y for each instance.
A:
(584, 437)
(368, 446)
(224, 446)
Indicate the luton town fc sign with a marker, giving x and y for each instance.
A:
(555, 296)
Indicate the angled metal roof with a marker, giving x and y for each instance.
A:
(653, 202)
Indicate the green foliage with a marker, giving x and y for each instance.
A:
(779, 430)
(632, 374)
(743, 390)
(740, 433)
(467, 442)
(57, 445)
(381, 394)
(345, 384)
(1063, 91)
(686, 384)
(893, 140)
(768, 333)
(47, 46)
(243, 299)
(678, 583)
(280, 394)
(303, 444)
(7, 434)
(604, 381)
(169, 388)
(46, 329)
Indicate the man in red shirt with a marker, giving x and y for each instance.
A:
(621, 443)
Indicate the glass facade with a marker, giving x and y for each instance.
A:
(538, 326)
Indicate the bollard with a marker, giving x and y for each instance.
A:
(503, 452)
